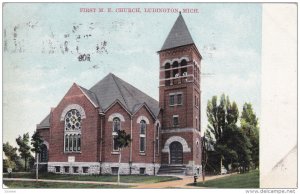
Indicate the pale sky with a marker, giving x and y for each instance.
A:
(37, 72)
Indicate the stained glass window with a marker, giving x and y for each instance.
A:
(73, 131)
(73, 120)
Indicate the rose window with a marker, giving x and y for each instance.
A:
(73, 120)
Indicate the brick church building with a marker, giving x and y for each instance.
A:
(79, 132)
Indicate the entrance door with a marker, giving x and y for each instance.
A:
(176, 153)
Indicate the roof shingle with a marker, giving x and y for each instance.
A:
(110, 89)
(178, 36)
(45, 123)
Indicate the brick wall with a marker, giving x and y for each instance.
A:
(89, 129)
(188, 111)
(108, 154)
(137, 156)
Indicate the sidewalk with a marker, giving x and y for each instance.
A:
(179, 183)
(71, 181)
(169, 184)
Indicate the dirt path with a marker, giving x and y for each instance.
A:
(178, 183)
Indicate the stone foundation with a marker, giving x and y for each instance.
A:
(59, 167)
(87, 168)
(134, 168)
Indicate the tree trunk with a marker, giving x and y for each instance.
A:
(37, 166)
(221, 165)
(25, 158)
(203, 175)
(119, 167)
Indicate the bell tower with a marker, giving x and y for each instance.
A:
(179, 79)
(180, 98)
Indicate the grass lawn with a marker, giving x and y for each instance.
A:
(247, 180)
(33, 184)
(102, 178)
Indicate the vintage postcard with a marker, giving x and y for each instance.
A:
(149, 95)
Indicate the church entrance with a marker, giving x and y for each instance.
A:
(176, 153)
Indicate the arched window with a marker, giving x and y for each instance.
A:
(167, 66)
(44, 154)
(175, 64)
(183, 65)
(117, 124)
(72, 131)
(116, 128)
(143, 127)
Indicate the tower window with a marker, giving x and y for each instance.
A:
(179, 98)
(175, 73)
(175, 120)
(175, 64)
(172, 100)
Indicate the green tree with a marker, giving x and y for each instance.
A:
(240, 145)
(249, 125)
(122, 140)
(220, 116)
(7, 163)
(13, 160)
(204, 156)
(36, 142)
(224, 134)
(24, 148)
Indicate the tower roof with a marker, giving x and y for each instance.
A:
(178, 36)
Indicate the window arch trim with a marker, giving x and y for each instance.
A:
(140, 118)
(179, 60)
(114, 115)
(70, 107)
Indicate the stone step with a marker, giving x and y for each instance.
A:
(172, 169)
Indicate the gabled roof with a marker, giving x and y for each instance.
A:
(112, 88)
(178, 36)
(45, 123)
(92, 97)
